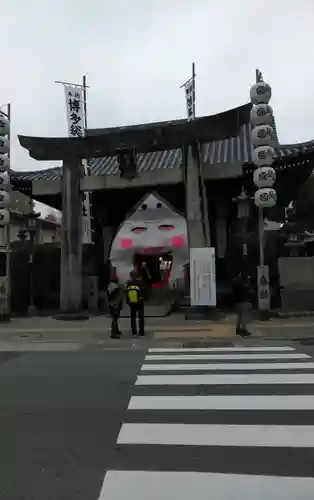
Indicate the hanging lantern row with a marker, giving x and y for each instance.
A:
(4, 171)
(263, 155)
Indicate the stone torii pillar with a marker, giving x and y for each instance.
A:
(71, 243)
(195, 223)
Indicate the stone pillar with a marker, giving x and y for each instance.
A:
(194, 217)
(204, 199)
(195, 220)
(71, 247)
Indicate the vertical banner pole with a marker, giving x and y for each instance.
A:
(5, 235)
(77, 124)
(86, 205)
(202, 260)
(85, 101)
(8, 227)
(193, 83)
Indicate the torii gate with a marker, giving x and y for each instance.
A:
(178, 134)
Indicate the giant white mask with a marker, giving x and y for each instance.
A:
(152, 228)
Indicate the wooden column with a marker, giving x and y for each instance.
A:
(71, 249)
(193, 200)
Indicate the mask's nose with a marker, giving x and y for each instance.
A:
(153, 237)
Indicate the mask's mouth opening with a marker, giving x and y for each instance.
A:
(154, 266)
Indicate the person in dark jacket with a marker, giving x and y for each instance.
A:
(242, 295)
(135, 291)
(115, 303)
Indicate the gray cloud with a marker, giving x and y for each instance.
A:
(137, 53)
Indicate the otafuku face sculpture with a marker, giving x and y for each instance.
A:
(153, 228)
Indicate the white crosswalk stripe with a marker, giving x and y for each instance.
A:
(237, 426)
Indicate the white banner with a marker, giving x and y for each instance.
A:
(263, 288)
(76, 128)
(203, 277)
(75, 111)
(190, 99)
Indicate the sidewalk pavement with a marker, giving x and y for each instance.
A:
(173, 327)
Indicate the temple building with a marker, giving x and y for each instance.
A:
(160, 198)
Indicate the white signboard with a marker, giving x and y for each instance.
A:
(203, 277)
(263, 288)
(190, 99)
(76, 128)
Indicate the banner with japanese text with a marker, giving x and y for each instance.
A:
(189, 88)
(263, 288)
(76, 128)
(75, 111)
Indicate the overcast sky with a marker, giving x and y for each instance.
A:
(137, 53)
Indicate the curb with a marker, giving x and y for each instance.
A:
(291, 314)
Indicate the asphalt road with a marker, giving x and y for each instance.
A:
(60, 413)
(165, 425)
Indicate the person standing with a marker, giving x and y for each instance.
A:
(115, 303)
(135, 299)
(242, 296)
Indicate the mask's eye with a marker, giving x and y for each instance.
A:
(138, 230)
(165, 227)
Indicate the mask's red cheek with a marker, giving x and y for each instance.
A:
(177, 241)
(126, 243)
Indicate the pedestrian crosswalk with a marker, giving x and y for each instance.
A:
(222, 423)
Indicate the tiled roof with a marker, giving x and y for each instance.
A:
(148, 162)
(231, 150)
(49, 174)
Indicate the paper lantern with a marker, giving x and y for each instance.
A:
(4, 199)
(265, 198)
(4, 162)
(260, 93)
(4, 178)
(264, 177)
(262, 114)
(262, 135)
(4, 125)
(263, 156)
(4, 217)
(4, 145)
